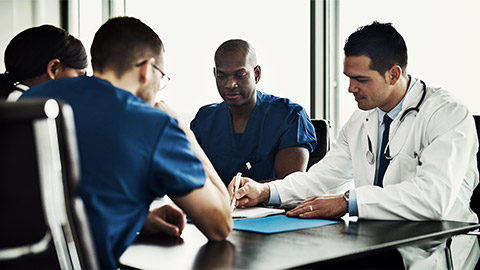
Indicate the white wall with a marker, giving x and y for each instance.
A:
(192, 31)
(443, 42)
(442, 39)
(18, 15)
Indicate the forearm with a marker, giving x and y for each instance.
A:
(208, 211)
(290, 160)
(332, 175)
(207, 165)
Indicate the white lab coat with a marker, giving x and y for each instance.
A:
(431, 176)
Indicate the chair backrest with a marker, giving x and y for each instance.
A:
(43, 221)
(71, 177)
(322, 131)
(475, 200)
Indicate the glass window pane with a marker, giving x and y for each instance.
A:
(18, 15)
(442, 41)
(192, 31)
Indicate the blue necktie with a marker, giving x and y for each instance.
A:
(383, 161)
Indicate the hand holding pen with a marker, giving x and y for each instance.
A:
(248, 192)
(235, 189)
(237, 185)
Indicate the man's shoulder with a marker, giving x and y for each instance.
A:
(49, 87)
(65, 87)
(276, 103)
(441, 100)
(441, 95)
(212, 106)
(133, 108)
(211, 109)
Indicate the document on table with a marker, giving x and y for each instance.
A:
(254, 212)
(278, 223)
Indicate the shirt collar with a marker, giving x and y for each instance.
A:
(395, 111)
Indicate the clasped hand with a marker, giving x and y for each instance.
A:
(167, 219)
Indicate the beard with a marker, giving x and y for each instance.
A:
(147, 93)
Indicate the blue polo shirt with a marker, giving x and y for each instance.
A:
(130, 153)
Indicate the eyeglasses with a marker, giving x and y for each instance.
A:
(164, 80)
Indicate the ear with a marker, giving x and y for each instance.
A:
(145, 72)
(52, 68)
(258, 73)
(394, 74)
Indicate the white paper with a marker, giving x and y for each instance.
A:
(253, 212)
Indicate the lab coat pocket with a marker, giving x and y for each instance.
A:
(408, 166)
(402, 167)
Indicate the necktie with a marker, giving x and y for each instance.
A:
(383, 161)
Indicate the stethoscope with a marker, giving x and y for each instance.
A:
(370, 156)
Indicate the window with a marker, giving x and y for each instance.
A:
(18, 15)
(442, 41)
(279, 30)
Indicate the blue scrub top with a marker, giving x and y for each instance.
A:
(274, 124)
(130, 153)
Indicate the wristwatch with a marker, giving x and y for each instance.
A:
(346, 196)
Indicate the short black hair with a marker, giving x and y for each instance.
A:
(120, 42)
(238, 45)
(381, 43)
(29, 52)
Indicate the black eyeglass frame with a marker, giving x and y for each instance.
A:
(157, 68)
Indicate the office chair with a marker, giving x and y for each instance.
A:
(322, 128)
(475, 200)
(43, 223)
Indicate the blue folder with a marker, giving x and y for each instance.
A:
(278, 223)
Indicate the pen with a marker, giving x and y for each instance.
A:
(235, 188)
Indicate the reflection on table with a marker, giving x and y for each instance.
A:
(303, 248)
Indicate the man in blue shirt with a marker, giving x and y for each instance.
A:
(130, 151)
(273, 135)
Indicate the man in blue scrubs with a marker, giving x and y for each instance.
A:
(273, 135)
(130, 151)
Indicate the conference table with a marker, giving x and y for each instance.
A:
(307, 248)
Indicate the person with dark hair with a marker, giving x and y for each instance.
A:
(409, 153)
(40, 54)
(132, 152)
(271, 134)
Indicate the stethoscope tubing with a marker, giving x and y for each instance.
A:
(370, 156)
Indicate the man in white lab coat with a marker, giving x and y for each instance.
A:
(409, 153)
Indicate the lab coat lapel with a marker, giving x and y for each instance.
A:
(399, 130)
(370, 124)
(413, 97)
